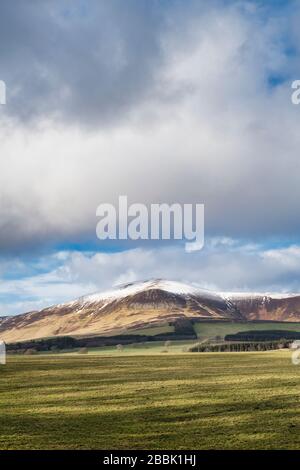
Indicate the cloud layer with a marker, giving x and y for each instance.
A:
(203, 122)
(163, 102)
(223, 265)
(84, 63)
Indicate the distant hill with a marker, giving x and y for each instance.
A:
(146, 304)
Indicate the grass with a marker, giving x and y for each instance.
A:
(220, 328)
(147, 348)
(159, 401)
(151, 331)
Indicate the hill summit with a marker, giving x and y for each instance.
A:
(145, 304)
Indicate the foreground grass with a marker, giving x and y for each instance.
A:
(183, 401)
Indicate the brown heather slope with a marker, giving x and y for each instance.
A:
(266, 307)
(145, 304)
(131, 306)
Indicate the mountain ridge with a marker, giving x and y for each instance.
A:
(145, 304)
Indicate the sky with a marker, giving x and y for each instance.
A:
(160, 100)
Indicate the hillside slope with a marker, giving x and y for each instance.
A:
(130, 306)
(275, 307)
(144, 304)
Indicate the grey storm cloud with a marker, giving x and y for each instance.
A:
(163, 101)
(88, 62)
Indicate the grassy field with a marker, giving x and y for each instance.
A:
(146, 348)
(152, 331)
(220, 328)
(166, 401)
(210, 329)
(155, 347)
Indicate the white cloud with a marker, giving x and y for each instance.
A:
(210, 130)
(207, 127)
(229, 266)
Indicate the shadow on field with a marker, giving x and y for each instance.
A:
(207, 401)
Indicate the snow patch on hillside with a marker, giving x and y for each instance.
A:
(174, 287)
(257, 295)
(133, 288)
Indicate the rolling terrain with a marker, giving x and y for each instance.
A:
(166, 401)
(275, 307)
(147, 304)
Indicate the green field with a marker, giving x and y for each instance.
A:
(146, 348)
(220, 328)
(162, 401)
(151, 331)
(150, 347)
(211, 329)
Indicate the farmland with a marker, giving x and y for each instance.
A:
(220, 328)
(138, 400)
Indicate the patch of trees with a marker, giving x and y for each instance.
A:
(46, 344)
(263, 335)
(240, 347)
(184, 327)
(68, 342)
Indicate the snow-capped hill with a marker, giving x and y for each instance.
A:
(258, 295)
(133, 288)
(266, 306)
(124, 308)
(145, 304)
